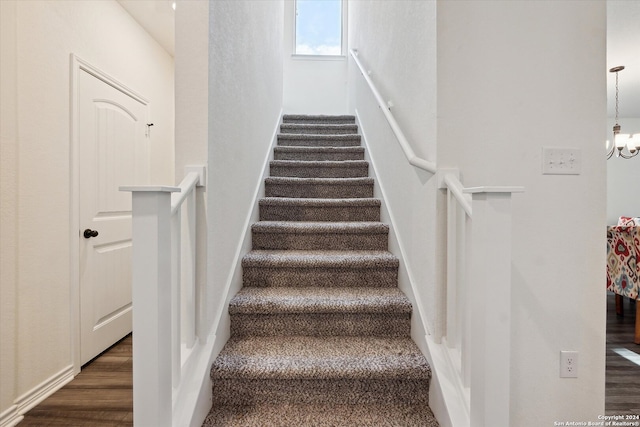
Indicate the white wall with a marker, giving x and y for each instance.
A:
(41, 35)
(8, 204)
(311, 85)
(623, 176)
(191, 84)
(192, 116)
(396, 41)
(245, 100)
(514, 77)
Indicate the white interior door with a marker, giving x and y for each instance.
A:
(113, 151)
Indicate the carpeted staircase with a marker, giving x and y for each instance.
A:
(320, 332)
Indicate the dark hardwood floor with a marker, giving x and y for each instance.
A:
(622, 392)
(101, 395)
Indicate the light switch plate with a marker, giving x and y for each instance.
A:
(561, 161)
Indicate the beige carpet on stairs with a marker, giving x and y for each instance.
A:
(320, 332)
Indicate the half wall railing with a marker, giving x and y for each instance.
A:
(166, 302)
(476, 339)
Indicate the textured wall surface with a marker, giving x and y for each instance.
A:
(192, 114)
(191, 85)
(245, 99)
(38, 162)
(507, 86)
(8, 202)
(396, 41)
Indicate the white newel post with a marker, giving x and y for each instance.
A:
(490, 305)
(152, 388)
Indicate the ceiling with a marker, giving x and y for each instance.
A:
(623, 44)
(156, 17)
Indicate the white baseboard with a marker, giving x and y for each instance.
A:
(451, 404)
(10, 417)
(448, 399)
(33, 397)
(195, 400)
(395, 242)
(234, 279)
(193, 397)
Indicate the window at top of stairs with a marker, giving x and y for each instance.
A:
(319, 28)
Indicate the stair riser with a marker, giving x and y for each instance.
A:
(295, 171)
(318, 155)
(285, 413)
(319, 122)
(339, 392)
(319, 213)
(319, 129)
(320, 241)
(307, 142)
(321, 277)
(327, 120)
(322, 324)
(333, 121)
(319, 191)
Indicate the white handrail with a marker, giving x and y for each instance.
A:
(187, 185)
(406, 147)
(455, 186)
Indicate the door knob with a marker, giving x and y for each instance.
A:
(89, 233)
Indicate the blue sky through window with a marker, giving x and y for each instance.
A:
(318, 27)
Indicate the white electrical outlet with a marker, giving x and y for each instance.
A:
(568, 364)
(561, 161)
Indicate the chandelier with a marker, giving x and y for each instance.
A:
(625, 145)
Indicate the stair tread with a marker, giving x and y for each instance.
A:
(319, 259)
(305, 126)
(365, 201)
(319, 188)
(323, 181)
(321, 415)
(311, 149)
(287, 117)
(320, 136)
(351, 227)
(254, 300)
(329, 357)
(320, 163)
(294, 138)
